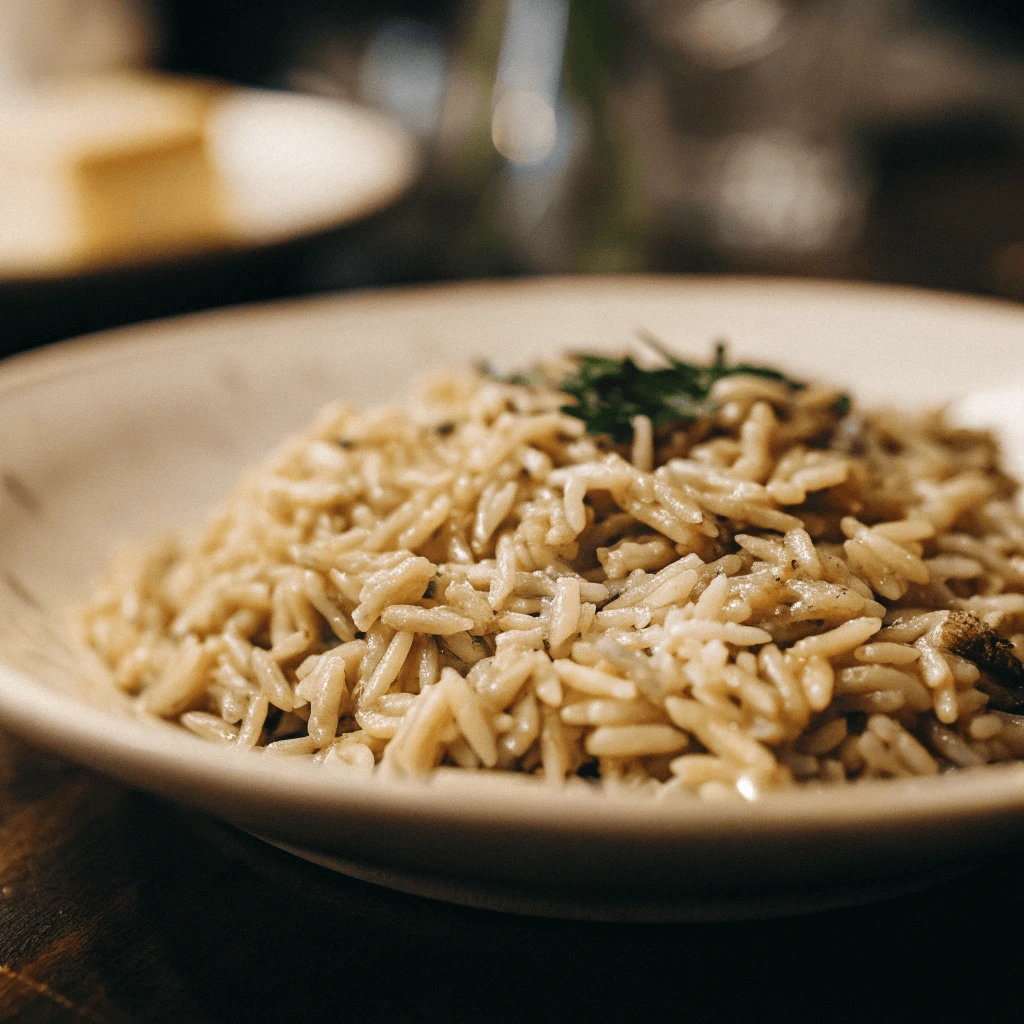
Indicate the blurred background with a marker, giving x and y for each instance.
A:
(867, 139)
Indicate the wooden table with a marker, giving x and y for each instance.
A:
(117, 907)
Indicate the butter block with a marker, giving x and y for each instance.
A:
(104, 170)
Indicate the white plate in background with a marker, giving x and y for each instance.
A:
(286, 166)
(295, 164)
(112, 437)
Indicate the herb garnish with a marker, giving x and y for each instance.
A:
(610, 392)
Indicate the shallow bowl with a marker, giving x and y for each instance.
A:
(110, 438)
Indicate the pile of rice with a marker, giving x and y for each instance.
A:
(753, 601)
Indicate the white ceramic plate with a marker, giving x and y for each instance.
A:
(107, 439)
(288, 165)
(297, 164)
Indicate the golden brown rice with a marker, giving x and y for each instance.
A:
(758, 600)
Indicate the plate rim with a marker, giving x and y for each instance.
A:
(111, 340)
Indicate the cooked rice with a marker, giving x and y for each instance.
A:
(749, 603)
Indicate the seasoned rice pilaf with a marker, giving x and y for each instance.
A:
(769, 589)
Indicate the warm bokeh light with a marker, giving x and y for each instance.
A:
(523, 127)
(728, 33)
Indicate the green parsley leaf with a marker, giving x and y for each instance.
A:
(609, 393)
